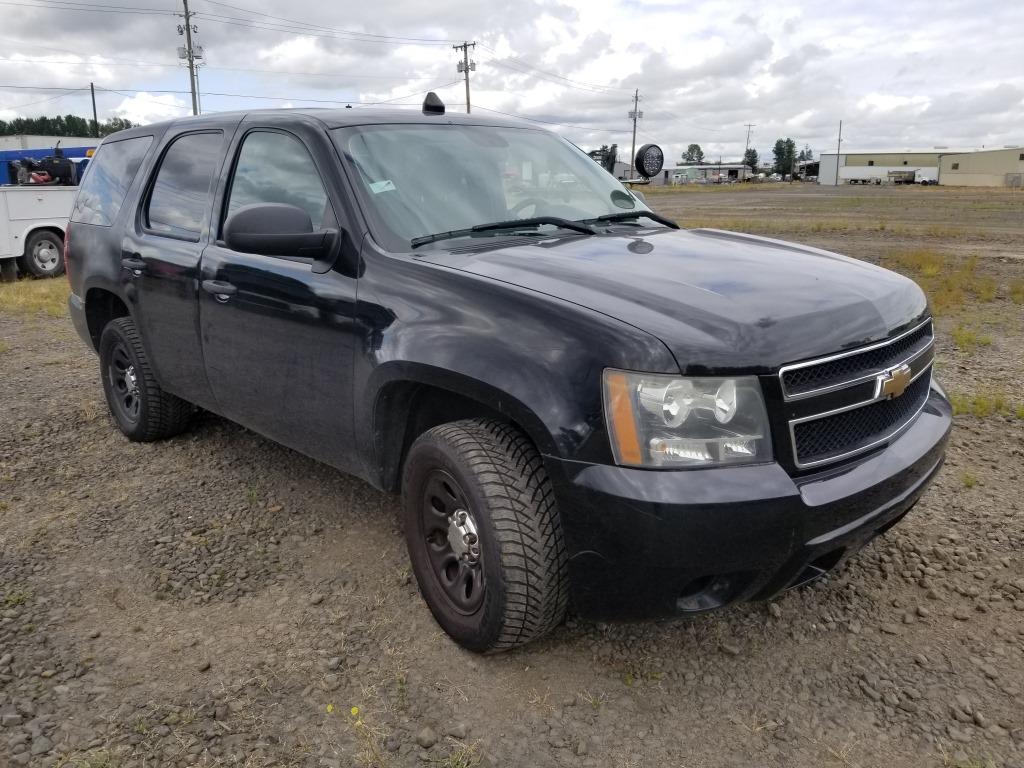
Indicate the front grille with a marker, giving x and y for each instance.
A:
(837, 407)
(858, 429)
(803, 378)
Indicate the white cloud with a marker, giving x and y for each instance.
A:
(908, 74)
(150, 108)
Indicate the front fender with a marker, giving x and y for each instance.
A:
(529, 356)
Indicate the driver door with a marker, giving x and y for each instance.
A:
(277, 337)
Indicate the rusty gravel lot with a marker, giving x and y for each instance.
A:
(218, 600)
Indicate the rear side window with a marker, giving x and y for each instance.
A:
(276, 168)
(180, 198)
(107, 179)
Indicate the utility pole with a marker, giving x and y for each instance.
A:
(95, 122)
(635, 115)
(465, 66)
(187, 29)
(747, 147)
(839, 143)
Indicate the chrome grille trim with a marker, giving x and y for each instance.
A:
(850, 353)
(850, 431)
(862, 448)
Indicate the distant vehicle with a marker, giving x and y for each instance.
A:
(580, 402)
(33, 220)
(34, 212)
(902, 177)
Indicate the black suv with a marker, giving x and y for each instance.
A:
(579, 402)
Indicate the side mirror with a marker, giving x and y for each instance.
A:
(277, 229)
(639, 195)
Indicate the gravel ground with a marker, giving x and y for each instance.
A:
(218, 600)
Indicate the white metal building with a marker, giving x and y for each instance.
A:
(874, 166)
(985, 168)
(27, 141)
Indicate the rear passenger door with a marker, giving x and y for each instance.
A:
(279, 347)
(160, 255)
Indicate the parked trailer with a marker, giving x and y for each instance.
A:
(33, 220)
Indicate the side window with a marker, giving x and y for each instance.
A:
(180, 198)
(107, 179)
(277, 168)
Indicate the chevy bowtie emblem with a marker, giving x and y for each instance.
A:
(895, 381)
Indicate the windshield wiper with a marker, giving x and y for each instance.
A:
(631, 215)
(536, 221)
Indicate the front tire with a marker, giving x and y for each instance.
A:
(44, 255)
(142, 410)
(483, 533)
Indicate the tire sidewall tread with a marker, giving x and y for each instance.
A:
(523, 551)
(161, 414)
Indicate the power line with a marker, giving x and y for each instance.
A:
(131, 63)
(41, 101)
(551, 122)
(505, 61)
(173, 91)
(388, 38)
(53, 5)
(305, 30)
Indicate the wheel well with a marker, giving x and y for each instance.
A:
(405, 410)
(32, 232)
(100, 308)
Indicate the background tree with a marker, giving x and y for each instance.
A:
(693, 154)
(610, 158)
(61, 125)
(784, 156)
(605, 156)
(806, 153)
(750, 159)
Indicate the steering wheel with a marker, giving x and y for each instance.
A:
(534, 201)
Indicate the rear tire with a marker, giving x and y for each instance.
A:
(142, 410)
(513, 587)
(44, 255)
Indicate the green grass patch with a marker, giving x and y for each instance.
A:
(985, 405)
(1017, 291)
(30, 297)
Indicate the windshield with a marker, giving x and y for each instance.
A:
(416, 180)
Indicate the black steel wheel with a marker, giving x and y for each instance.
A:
(123, 381)
(483, 533)
(448, 529)
(142, 410)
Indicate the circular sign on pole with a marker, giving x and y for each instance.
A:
(649, 160)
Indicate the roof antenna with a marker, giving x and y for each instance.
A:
(432, 105)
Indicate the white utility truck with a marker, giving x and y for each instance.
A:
(33, 219)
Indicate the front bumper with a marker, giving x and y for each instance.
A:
(645, 543)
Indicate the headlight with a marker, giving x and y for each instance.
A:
(670, 421)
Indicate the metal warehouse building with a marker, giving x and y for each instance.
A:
(984, 168)
(874, 166)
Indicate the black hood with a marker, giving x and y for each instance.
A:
(718, 300)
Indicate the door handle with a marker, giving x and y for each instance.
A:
(134, 263)
(221, 290)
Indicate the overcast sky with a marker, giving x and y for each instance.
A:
(915, 73)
